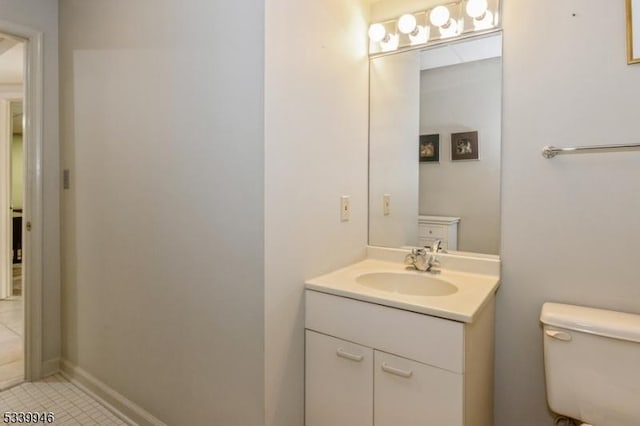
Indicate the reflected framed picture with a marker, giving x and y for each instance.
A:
(464, 146)
(429, 149)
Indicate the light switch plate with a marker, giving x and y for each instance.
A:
(66, 179)
(386, 204)
(345, 208)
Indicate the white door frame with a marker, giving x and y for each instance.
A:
(32, 216)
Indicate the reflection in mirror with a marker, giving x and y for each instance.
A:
(434, 160)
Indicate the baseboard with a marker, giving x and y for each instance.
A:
(122, 407)
(50, 367)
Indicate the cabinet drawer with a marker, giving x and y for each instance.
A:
(432, 231)
(409, 393)
(430, 340)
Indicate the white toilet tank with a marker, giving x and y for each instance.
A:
(592, 364)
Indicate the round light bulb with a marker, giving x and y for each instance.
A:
(476, 8)
(485, 21)
(377, 32)
(407, 23)
(449, 30)
(419, 35)
(390, 42)
(439, 16)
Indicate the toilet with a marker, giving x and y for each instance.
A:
(592, 364)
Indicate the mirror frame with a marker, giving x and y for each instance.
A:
(467, 37)
(631, 59)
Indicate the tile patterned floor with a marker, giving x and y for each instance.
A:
(11, 352)
(69, 404)
(17, 280)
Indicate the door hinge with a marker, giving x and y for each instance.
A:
(28, 226)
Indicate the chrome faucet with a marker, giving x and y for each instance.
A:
(436, 247)
(419, 260)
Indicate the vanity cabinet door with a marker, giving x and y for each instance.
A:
(409, 393)
(339, 382)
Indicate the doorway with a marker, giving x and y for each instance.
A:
(12, 190)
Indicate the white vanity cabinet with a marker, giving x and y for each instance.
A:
(444, 228)
(339, 383)
(401, 368)
(410, 393)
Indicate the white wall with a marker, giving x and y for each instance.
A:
(394, 108)
(316, 151)
(570, 229)
(462, 98)
(42, 15)
(163, 273)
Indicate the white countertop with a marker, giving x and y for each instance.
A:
(474, 290)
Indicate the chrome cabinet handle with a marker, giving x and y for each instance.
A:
(353, 357)
(398, 372)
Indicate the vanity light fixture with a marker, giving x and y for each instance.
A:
(455, 18)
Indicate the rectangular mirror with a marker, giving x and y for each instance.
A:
(434, 146)
(633, 37)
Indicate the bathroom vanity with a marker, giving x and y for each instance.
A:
(388, 346)
(400, 354)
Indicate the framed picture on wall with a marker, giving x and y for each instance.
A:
(429, 149)
(464, 146)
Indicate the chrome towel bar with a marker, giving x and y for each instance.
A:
(552, 151)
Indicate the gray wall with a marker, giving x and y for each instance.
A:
(570, 228)
(163, 249)
(462, 98)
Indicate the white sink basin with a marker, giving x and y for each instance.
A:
(406, 283)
